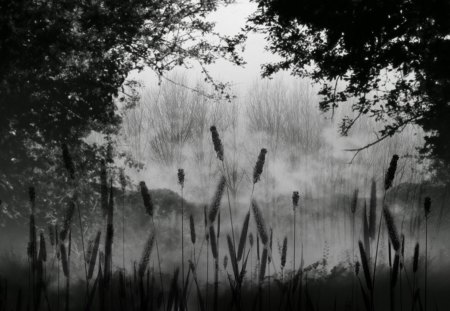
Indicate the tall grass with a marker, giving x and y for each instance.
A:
(292, 289)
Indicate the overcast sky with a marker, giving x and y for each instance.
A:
(230, 20)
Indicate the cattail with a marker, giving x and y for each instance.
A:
(295, 199)
(32, 196)
(213, 241)
(103, 187)
(181, 177)
(365, 264)
(354, 201)
(68, 163)
(366, 233)
(283, 253)
(270, 244)
(257, 247)
(145, 258)
(148, 204)
(218, 147)
(373, 209)
(225, 262)
(260, 224)
(93, 255)
(42, 249)
(250, 239)
(257, 170)
(416, 258)
(402, 249)
(192, 227)
(389, 178)
(215, 205)
(67, 220)
(262, 271)
(392, 229)
(64, 260)
(243, 237)
(427, 206)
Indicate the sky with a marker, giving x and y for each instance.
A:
(230, 19)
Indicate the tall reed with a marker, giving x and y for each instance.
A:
(427, 210)
(295, 199)
(388, 180)
(180, 175)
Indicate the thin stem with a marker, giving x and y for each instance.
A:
(182, 237)
(426, 261)
(123, 229)
(159, 263)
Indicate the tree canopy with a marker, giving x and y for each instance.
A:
(64, 66)
(391, 55)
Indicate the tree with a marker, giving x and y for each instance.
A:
(64, 68)
(391, 55)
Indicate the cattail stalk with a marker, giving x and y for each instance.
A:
(427, 209)
(295, 199)
(148, 204)
(123, 184)
(181, 183)
(390, 174)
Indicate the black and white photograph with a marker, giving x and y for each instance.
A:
(224, 155)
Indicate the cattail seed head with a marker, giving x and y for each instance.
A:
(192, 227)
(181, 177)
(148, 204)
(68, 163)
(392, 229)
(260, 223)
(243, 237)
(427, 206)
(145, 258)
(218, 147)
(416, 258)
(215, 205)
(213, 241)
(295, 199)
(258, 169)
(389, 178)
(262, 271)
(251, 240)
(32, 196)
(283, 253)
